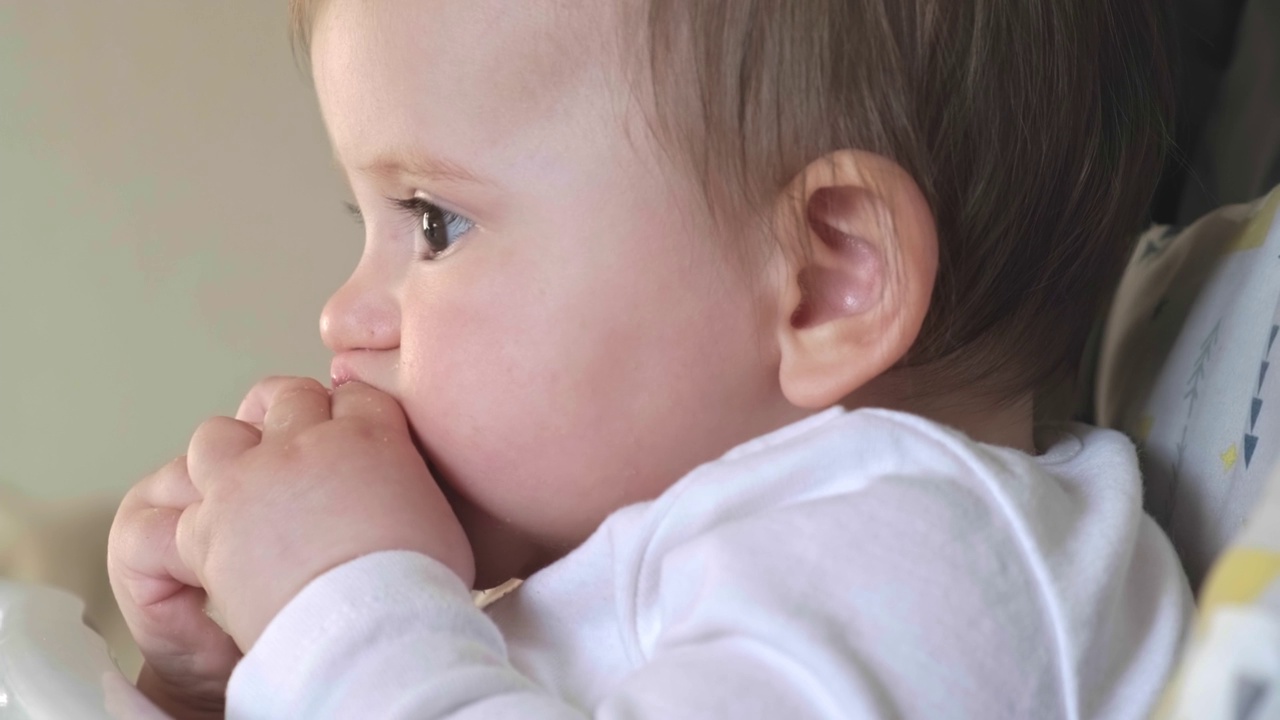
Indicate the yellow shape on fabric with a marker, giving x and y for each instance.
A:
(1255, 234)
(1144, 427)
(1239, 578)
(1229, 457)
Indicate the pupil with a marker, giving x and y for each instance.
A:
(433, 228)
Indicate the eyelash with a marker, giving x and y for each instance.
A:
(421, 211)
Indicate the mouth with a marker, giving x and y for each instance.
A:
(352, 365)
(340, 371)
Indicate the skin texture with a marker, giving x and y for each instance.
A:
(585, 344)
(589, 338)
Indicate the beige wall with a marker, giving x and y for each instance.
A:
(170, 225)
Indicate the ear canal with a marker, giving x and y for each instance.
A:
(848, 284)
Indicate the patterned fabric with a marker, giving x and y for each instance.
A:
(1185, 371)
(1231, 667)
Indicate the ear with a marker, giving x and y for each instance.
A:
(860, 254)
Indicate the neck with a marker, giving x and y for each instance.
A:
(1007, 423)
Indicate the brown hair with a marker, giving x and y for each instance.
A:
(1035, 129)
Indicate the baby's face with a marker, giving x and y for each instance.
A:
(583, 341)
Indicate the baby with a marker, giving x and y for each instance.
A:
(716, 321)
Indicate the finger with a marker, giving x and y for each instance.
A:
(143, 548)
(178, 626)
(190, 538)
(356, 399)
(216, 442)
(178, 635)
(298, 405)
(168, 487)
(254, 406)
(165, 613)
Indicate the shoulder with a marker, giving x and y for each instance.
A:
(903, 541)
(905, 578)
(839, 454)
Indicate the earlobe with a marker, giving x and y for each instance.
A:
(860, 271)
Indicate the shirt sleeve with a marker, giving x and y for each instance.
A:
(929, 610)
(389, 635)
(396, 635)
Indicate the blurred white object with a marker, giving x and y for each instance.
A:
(53, 667)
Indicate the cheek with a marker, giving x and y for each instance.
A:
(505, 367)
(596, 379)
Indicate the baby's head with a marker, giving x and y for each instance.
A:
(605, 242)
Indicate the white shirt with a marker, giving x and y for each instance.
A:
(855, 564)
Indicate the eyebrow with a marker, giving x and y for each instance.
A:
(419, 166)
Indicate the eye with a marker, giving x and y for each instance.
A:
(441, 229)
(354, 211)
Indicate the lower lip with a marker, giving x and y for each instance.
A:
(340, 373)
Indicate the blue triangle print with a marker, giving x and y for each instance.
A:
(1253, 413)
(1274, 329)
(1250, 443)
(1262, 375)
(1250, 693)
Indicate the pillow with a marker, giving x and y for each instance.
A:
(1185, 370)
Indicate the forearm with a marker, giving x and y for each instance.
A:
(353, 645)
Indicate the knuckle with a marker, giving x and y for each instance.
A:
(208, 430)
(175, 471)
(161, 474)
(263, 389)
(134, 496)
(300, 385)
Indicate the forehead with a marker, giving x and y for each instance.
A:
(471, 74)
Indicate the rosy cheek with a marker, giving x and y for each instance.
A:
(464, 348)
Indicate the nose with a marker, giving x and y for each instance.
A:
(364, 314)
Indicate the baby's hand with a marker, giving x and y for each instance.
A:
(325, 480)
(188, 658)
